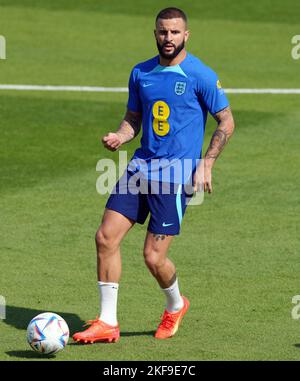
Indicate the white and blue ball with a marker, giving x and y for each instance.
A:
(48, 333)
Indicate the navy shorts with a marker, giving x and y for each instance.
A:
(166, 203)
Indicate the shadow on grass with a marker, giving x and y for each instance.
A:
(19, 317)
(122, 334)
(30, 354)
(145, 333)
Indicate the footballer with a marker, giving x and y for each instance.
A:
(170, 96)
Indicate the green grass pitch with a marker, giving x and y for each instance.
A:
(237, 257)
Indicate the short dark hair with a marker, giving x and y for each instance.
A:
(171, 13)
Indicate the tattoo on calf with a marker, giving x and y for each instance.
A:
(172, 280)
(159, 236)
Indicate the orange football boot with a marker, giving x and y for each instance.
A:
(98, 331)
(170, 321)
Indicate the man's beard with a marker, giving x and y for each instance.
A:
(171, 55)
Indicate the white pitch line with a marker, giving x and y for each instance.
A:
(262, 91)
(64, 88)
(125, 89)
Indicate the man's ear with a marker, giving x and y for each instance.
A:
(186, 35)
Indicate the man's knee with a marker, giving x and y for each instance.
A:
(105, 242)
(153, 258)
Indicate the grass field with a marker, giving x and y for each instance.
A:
(237, 256)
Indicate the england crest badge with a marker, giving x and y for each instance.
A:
(180, 88)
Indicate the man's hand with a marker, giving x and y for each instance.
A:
(112, 141)
(202, 180)
(128, 130)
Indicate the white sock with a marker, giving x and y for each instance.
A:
(108, 293)
(174, 299)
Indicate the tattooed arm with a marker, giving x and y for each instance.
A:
(219, 139)
(129, 129)
(221, 135)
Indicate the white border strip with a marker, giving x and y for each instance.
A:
(125, 89)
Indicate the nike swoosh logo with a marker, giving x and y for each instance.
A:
(147, 84)
(165, 225)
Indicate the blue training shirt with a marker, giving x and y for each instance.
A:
(174, 101)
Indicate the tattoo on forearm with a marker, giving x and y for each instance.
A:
(217, 143)
(159, 236)
(222, 134)
(134, 120)
(130, 126)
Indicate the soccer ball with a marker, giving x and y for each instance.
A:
(47, 333)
